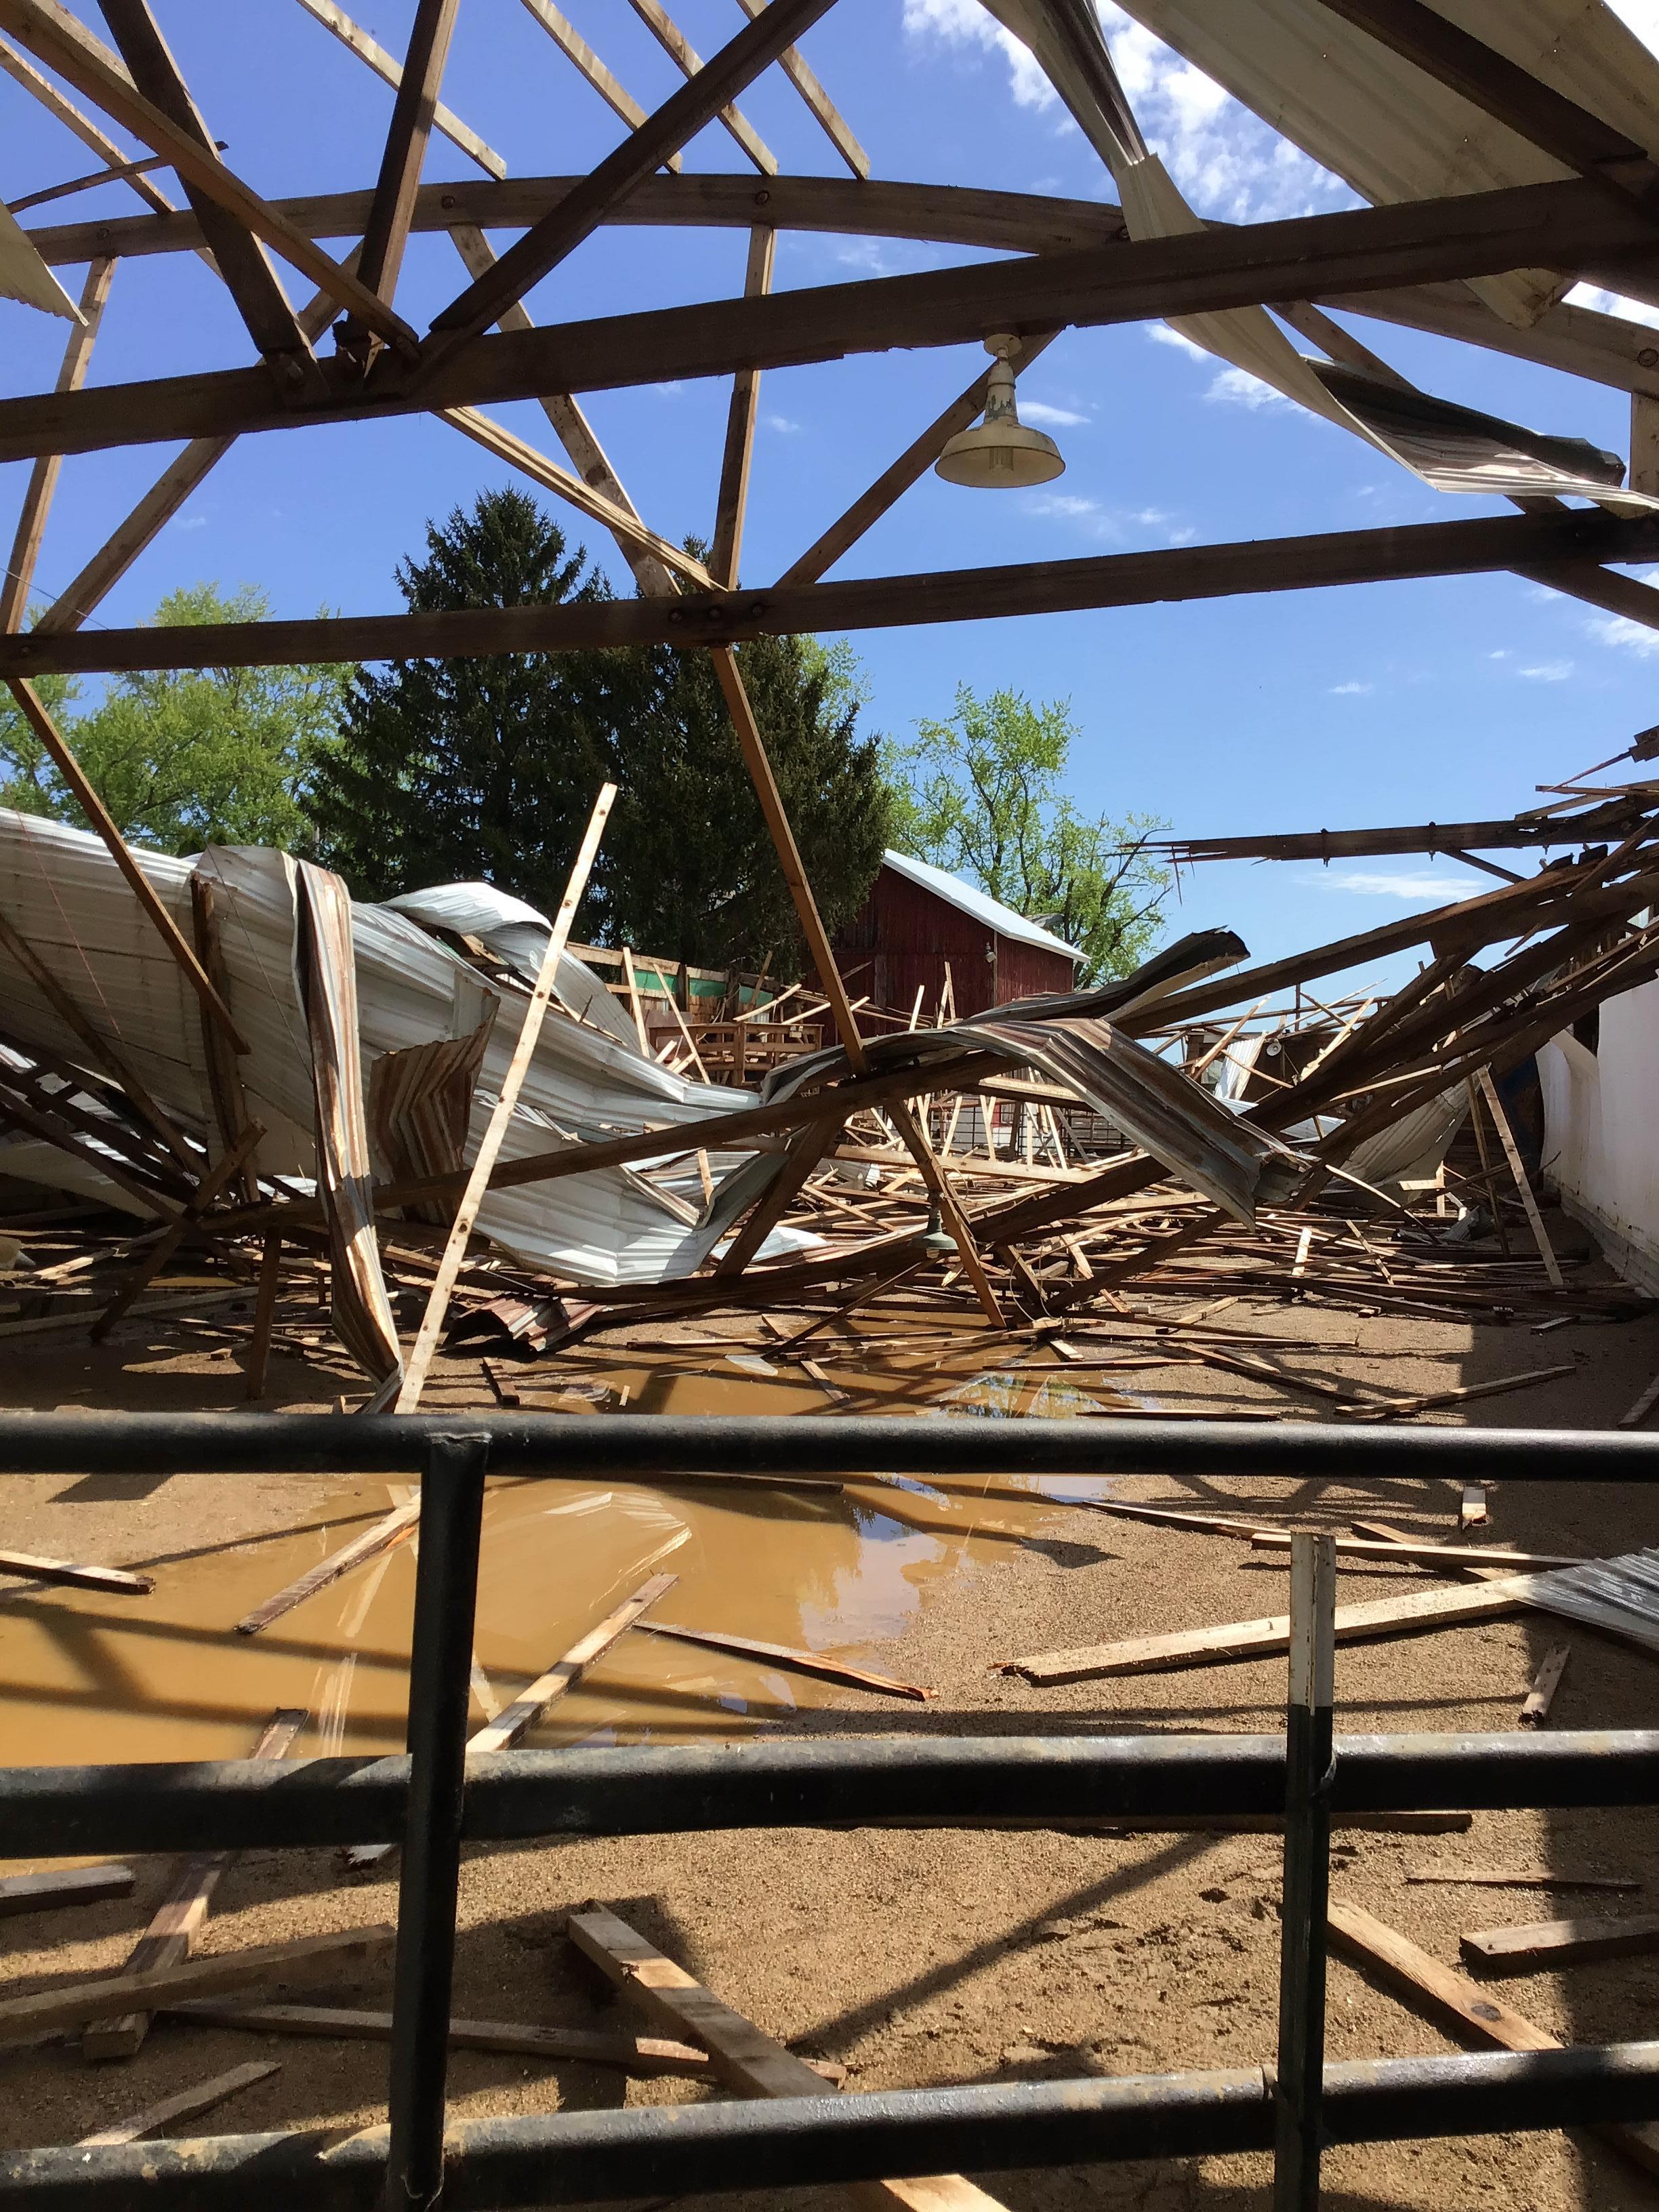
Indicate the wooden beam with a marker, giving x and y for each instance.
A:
(527, 1710)
(674, 42)
(19, 576)
(72, 118)
(633, 2054)
(394, 1528)
(238, 257)
(183, 2105)
(911, 465)
(1402, 554)
(1512, 1154)
(368, 50)
(733, 501)
(98, 814)
(57, 1886)
(55, 37)
(581, 211)
(1572, 224)
(817, 100)
(1540, 1945)
(413, 113)
(227, 1166)
(49, 2011)
(64, 1574)
(577, 435)
(477, 1182)
(804, 1151)
(575, 49)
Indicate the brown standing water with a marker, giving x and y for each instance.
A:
(90, 1677)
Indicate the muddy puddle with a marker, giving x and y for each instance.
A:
(840, 1571)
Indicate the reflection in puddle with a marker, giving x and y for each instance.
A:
(100, 1679)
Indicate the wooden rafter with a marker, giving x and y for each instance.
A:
(55, 37)
(369, 49)
(1477, 546)
(817, 100)
(240, 257)
(413, 113)
(1572, 224)
(733, 501)
(576, 50)
(686, 59)
(581, 211)
(43, 476)
(74, 118)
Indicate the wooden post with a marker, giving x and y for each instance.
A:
(733, 499)
(1299, 2081)
(753, 749)
(477, 1182)
(98, 814)
(1512, 1153)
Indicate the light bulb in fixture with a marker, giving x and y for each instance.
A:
(1000, 453)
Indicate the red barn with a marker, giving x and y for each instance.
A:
(917, 921)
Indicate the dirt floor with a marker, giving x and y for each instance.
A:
(909, 1957)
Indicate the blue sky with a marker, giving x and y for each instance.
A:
(1397, 702)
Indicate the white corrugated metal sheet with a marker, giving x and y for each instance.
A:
(980, 904)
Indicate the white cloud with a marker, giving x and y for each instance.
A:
(965, 23)
(1236, 387)
(1066, 505)
(1110, 525)
(191, 522)
(1502, 653)
(1420, 889)
(1351, 691)
(1164, 334)
(783, 423)
(1546, 671)
(1619, 630)
(1613, 303)
(1050, 418)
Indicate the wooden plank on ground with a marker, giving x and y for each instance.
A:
(1517, 1878)
(115, 1579)
(180, 1917)
(744, 2056)
(398, 1525)
(1462, 2004)
(1545, 1683)
(47, 2011)
(52, 1891)
(1540, 1945)
(784, 1654)
(183, 2105)
(1261, 1640)
(1427, 1553)
(633, 2054)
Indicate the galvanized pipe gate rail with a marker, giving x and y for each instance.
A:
(433, 1799)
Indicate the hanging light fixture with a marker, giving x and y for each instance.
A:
(1000, 453)
(935, 1238)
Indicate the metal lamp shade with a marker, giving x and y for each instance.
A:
(1000, 454)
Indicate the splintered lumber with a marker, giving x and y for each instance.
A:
(49, 1893)
(1409, 1552)
(784, 1654)
(1541, 1944)
(490, 1144)
(183, 2105)
(75, 1577)
(22, 2018)
(179, 1919)
(501, 1733)
(1261, 1640)
(633, 2054)
(1517, 1878)
(1512, 1154)
(744, 2056)
(398, 1525)
(1545, 1683)
(1457, 2002)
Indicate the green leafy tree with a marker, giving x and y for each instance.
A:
(449, 770)
(691, 870)
(982, 794)
(184, 759)
(489, 769)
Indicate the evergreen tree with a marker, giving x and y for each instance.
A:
(457, 770)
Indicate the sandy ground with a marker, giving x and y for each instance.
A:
(935, 1957)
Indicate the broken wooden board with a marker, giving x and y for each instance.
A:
(183, 2105)
(1545, 1683)
(117, 1580)
(744, 2056)
(1263, 1638)
(1428, 1553)
(22, 2018)
(397, 1526)
(1540, 1945)
(1457, 2002)
(50, 1893)
(633, 2054)
(1517, 1878)
(784, 1654)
